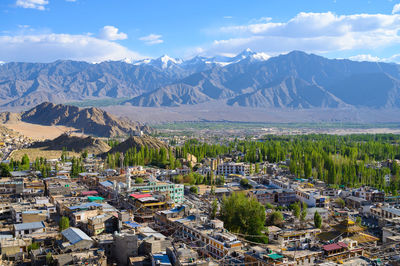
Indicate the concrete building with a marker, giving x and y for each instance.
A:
(311, 196)
(175, 191)
(125, 245)
(29, 229)
(297, 238)
(233, 169)
(10, 247)
(274, 196)
(75, 239)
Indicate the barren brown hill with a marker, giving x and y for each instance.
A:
(93, 121)
(8, 117)
(74, 143)
(138, 142)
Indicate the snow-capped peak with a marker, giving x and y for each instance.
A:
(165, 61)
(260, 56)
(128, 60)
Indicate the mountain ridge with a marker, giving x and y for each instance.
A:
(93, 121)
(294, 80)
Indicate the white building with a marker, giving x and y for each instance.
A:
(233, 169)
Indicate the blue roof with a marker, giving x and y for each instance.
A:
(162, 258)
(32, 211)
(85, 206)
(175, 210)
(187, 219)
(28, 226)
(132, 224)
(106, 183)
(75, 235)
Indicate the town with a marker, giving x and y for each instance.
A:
(249, 204)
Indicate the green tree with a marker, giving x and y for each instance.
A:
(64, 223)
(84, 154)
(358, 220)
(275, 218)
(257, 168)
(49, 258)
(296, 210)
(269, 206)
(4, 170)
(244, 215)
(244, 182)
(317, 220)
(33, 246)
(25, 162)
(340, 202)
(139, 180)
(194, 189)
(303, 215)
(214, 209)
(212, 190)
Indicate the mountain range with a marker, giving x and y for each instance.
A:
(294, 80)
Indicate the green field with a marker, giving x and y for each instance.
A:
(99, 103)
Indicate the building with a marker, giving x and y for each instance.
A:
(103, 223)
(343, 250)
(181, 255)
(10, 247)
(262, 257)
(312, 197)
(217, 242)
(274, 196)
(125, 245)
(297, 238)
(146, 205)
(75, 239)
(29, 229)
(369, 194)
(356, 202)
(233, 169)
(175, 191)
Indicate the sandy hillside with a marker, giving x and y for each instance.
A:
(38, 132)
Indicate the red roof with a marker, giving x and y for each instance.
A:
(88, 193)
(334, 246)
(139, 196)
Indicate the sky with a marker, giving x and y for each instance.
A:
(100, 30)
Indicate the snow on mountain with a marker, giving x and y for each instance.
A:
(165, 61)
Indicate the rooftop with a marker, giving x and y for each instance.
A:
(75, 235)
(29, 226)
(335, 246)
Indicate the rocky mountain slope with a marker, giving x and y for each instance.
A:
(294, 80)
(74, 143)
(138, 142)
(91, 121)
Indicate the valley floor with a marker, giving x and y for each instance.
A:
(218, 111)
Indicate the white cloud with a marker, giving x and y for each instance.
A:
(396, 9)
(111, 33)
(34, 4)
(312, 32)
(365, 57)
(51, 47)
(371, 58)
(152, 39)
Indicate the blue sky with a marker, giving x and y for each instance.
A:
(98, 30)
